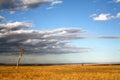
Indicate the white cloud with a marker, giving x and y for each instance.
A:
(1, 18)
(102, 17)
(14, 26)
(57, 41)
(105, 16)
(117, 1)
(110, 37)
(93, 15)
(49, 8)
(13, 36)
(25, 4)
(118, 15)
(56, 2)
(12, 12)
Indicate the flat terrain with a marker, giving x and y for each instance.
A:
(60, 72)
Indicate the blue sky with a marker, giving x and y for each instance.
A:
(67, 31)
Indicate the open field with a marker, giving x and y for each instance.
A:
(60, 72)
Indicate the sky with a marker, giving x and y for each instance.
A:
(60, 31)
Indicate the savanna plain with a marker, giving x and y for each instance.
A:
(61, 72)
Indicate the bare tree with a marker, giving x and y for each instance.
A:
(20, 56)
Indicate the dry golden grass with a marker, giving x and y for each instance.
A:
(65, 72)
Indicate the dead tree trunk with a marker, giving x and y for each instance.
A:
(20, 56)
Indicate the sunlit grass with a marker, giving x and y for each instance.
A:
(65, 72)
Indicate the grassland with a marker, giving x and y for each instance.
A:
(60, 72)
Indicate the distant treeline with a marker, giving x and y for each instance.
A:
(82, 64)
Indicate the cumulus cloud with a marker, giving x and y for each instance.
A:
(13, 26)
(118, 15)
(117, 1)
(105, 16)
(13, 36)
(25, 4)
(1, 18)
(102, 17)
